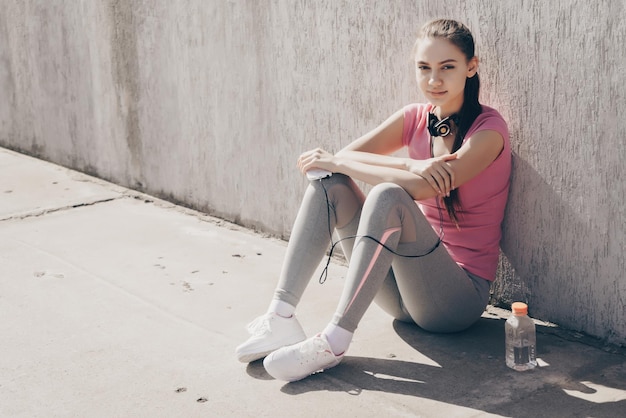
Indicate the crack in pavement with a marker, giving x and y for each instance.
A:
(45, 211)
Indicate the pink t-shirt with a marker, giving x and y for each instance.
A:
(475, 246)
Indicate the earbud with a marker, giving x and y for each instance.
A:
(438, 127)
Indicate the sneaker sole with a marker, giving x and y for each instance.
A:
(276, 374)
(249, 357)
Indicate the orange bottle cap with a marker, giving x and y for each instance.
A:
(519, 308)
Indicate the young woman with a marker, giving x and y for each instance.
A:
(452, 190)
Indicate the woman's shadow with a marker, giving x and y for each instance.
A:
(459, 359)
(466, 369)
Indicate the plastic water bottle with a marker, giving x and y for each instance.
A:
(521, 340)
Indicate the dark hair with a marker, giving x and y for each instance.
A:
(460, 36)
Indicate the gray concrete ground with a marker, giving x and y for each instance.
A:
(116, 304)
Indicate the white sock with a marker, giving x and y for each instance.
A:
(338, 338)
(281, 308)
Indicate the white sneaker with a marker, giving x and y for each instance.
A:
(269, 332)
(301, 360)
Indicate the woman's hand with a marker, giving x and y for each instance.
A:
(436, 171)
(316, 158)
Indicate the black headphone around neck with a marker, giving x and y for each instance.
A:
(442, 127)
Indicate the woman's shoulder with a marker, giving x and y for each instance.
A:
(415, 120)
(416, 113)
(489, 111)
(490, 119)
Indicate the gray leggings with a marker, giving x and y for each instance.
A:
(432, 291)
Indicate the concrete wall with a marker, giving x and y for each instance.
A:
(209, 103)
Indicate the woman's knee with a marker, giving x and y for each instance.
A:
(383, 190)
(386, 194)
(336, 178)
(344, 197)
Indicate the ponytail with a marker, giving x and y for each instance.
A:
(467, 115)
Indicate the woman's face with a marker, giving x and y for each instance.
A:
(441, 70)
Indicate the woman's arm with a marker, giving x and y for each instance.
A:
(367, 159)
(418, 187)
(383, 140)
(375, 159)
(375, 147)
(480, 150)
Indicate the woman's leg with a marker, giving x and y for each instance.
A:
(332, 202)
(392, 218)
(433, 290)
(328, 203)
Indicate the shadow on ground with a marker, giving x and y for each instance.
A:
(467, 369)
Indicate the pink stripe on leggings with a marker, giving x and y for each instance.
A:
(383, 239)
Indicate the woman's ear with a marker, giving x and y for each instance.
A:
(472, 67)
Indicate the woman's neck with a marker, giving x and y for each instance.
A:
(443, 113)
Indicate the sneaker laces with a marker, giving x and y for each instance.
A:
(260, 325)
(315, 345)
